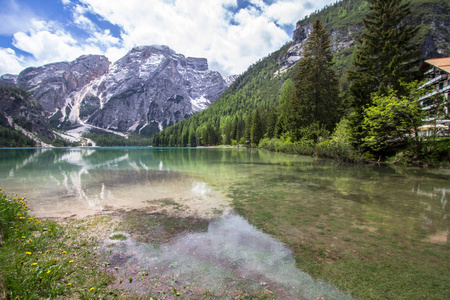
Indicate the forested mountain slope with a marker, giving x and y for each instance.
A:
(343, 21)
(259, 88)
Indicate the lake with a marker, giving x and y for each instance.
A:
(298, 227)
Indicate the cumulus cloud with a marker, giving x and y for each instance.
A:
(196, 28)
(10, 62)
(47, 43)
(231, 36)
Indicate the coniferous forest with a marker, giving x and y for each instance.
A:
(371, 113)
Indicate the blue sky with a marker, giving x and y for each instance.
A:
(231, 34)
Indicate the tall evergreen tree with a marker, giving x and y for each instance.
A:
(271, 123)
(257, 128)
(385, 56)
(317, 87)
(283, 109)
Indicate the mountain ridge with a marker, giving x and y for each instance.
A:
(148, 89)
(343, 21)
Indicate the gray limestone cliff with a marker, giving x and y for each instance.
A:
(19, 108)
(147, 90)
(343, 22)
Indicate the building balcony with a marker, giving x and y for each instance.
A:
(436, 92)
(434, 80)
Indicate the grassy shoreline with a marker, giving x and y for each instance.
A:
(47, 259)
(68, 258)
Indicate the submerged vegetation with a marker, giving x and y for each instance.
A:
(346, 231)
(67, 259)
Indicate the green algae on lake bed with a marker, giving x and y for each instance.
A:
(377, 232)
(227, 257)
(373, 231)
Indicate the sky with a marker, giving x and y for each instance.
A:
(231, 34)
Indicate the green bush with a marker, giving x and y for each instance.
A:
(336, 146)
(285, 145)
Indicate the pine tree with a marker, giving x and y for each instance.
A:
(385, 57)
(271, 123)
(257, 128)
(317, 87)
(283, 109)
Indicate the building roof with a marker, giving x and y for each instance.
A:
(441, 63)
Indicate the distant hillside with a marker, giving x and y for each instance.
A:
(22, 119)
(259, 87)
(343, 21)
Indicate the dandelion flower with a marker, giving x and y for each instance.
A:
(33, 264)
(70, 261)
(92, 288)
(48, 272)
(64, 252)
(28, 253)
(69, 283)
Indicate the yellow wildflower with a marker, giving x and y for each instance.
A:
(28, 253)
(92, 288)
(64, 252)
(70, 261)
(33, 264)
(69, 283)
(48, 272)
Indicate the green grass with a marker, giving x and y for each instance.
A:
(41, 259)
(119, 237)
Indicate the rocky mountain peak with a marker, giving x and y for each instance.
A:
(151, 87)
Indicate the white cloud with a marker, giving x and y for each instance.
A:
(48, 43)
(197, 28)
(10, 62)
(285, 13)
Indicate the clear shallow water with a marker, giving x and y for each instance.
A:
(337, 208)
